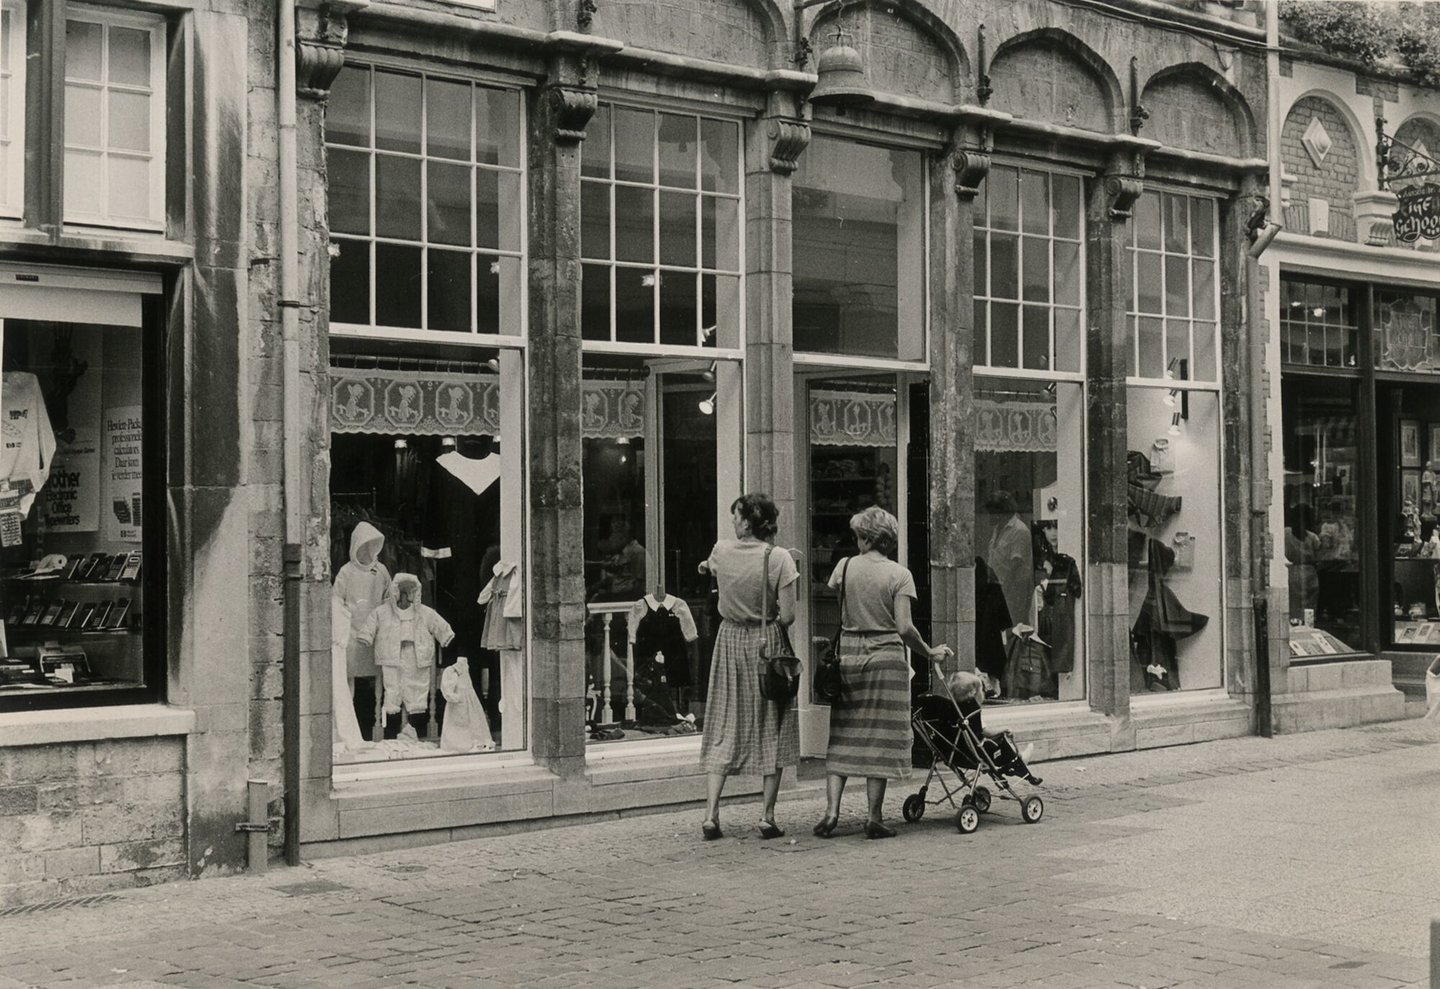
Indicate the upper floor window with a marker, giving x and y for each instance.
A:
(1175, 294)
(661, 229)
(1319, 325)
(1029, 271)
(12, 108)
(859, 250)
(427, 203)
(114, 118)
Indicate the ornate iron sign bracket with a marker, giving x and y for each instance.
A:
(1419, 212)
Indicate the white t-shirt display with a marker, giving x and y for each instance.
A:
(29, 440)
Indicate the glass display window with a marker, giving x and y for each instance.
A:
(859, 226)
(1175, 294)
(1030, 538)
(1029, 270)
(661, 230)
(429, 627)
(1409, 440)
(656, 434)
(426, 203)
(1319, 324)
(1405, 335)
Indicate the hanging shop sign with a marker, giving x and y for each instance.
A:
(1014, 427)
(852, 419)
(1419, 213)
(413, 403)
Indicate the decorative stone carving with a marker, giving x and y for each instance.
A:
(1317, 141)
(971, 167)
(788, 139)
(585, 14)
(1122, 191)
(574, 108)
(317, 63)
(1259, 216)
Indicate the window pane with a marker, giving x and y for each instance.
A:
(497, 209)
(1004, 266)
(1203, 292)
(82, 117)
(397, 285)
(1147, 282)
(1177, 225)
(129, 187)
(677, 228)
(678, 309)
(635, 305)
(397, 197)
(349, 191)
(1177, 342)
(1146, 222)
(1152, 360)
(448, 198)
(1035, 202)
(1004, 197)
(720, 309)
(83, 50)
(1067, 273)
(982, 333)
(1131, 368)
(347, 114)
(489, 289)
(634, 145)
(1065, 205)
(594, 220)
(1037, 269)
(447, 119)
(129, 56)
(982, 270)
(129, 121)
(83, 182)
(595, 149)
(448, 285)
(678, 142)
(1203, 366)
(1035, 324)
(721, 233)
(1069, 339)
(634, 223)
(1004, 334)
(350, 282)
(497, 127)
(594, 302)
(397, 116)
(720, 156)
(1202, 228)
(1177, 287)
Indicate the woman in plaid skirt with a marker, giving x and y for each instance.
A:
(870, 722)
(744, 733)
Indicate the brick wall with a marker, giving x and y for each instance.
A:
(87, 817)
(1337, 176)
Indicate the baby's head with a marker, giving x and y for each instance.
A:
(965, 685)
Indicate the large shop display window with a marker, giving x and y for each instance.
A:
(1174, 481)
(1029, 538)
(859, 250)
(661, 229)
(428, 602)
(653, 435)
(427, 203)
(81, 528)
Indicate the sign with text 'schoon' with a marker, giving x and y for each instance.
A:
(1419, 213)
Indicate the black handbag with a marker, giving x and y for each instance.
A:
(829, 681)
(779, 671)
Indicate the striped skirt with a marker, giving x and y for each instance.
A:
(870, 723)
(743, 732)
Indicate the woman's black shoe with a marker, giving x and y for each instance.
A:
(874, 829)
(825, 828)
(769, 829)
(710, 830)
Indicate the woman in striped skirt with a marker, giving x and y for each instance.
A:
(743, 732)
(870, 722)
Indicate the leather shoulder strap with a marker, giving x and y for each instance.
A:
(765, 586)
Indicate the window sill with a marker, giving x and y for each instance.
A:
(93, 724)
(153, 248)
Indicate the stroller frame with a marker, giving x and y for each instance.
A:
(975, 798)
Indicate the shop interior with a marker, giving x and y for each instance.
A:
(1409, 455)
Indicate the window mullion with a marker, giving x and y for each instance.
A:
(45, 115)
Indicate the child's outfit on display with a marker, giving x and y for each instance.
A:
(404, 639)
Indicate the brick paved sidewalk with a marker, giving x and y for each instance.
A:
(1303, 861)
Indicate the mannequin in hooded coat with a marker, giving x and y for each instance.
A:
(360, 587)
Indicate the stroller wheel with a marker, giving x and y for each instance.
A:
(967, 819)
(913, 808)
(1032, 809)
(982, 799)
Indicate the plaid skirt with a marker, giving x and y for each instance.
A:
(870, 722)
(743, 732)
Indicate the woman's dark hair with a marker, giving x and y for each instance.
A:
(759, 511)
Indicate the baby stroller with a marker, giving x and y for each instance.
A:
(951, 730)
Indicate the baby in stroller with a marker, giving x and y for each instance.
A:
(968, 690)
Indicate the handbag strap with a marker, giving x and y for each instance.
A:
(840, 626)
(765, 590)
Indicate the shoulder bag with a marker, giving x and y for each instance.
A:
(829, 681)
(779, 670)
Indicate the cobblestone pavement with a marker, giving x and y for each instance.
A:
(1309, 860)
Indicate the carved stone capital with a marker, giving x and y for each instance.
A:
(971, 167)
(573, 110)
(1122, 191)
(317, 63)
(788, 140)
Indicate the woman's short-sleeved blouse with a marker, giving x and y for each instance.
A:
(872, 582)
(735, 565)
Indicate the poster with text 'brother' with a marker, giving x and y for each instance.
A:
(120, 503)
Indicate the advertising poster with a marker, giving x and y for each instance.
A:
(72, 495)
(121, 510)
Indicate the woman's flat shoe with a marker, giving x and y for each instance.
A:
(825, 828)
(877, 830)
(769, 829)
(710, 830)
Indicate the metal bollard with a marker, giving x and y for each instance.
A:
(1435, 953)
(257, 828)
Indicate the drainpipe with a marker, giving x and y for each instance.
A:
(289, 303)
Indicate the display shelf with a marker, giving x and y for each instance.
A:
(60, 633)
(68, 582)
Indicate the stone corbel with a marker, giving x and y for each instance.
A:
(971, 167)
(573, 109)
(788, 140)
(321, 30)
(1124, 183)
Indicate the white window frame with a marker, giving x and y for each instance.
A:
(155, 25)
(12, 148)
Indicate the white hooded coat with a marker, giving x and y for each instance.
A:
(360, 587)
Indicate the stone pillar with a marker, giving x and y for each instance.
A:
(954, 180)
(560, 111)
(1107, 271)
(772, 151)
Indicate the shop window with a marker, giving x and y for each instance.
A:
(82, 522)
(662, 218)
(1029, 271)
(426, 479)
(1322, 521)
(1405, 332)
(1176, 520)
(114, 118)
(1409, 486)
(859, 250)
(426, 202)
(1319, 324)
(1030, 532)
(1175, 294)
(12, 109)
(653, 491)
